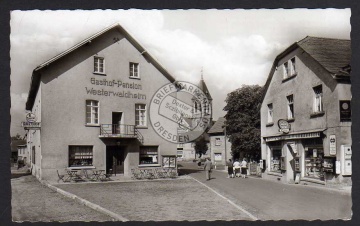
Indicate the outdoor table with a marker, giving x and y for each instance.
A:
(73, 175)
(86, 174)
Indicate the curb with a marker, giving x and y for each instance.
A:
(85, 202)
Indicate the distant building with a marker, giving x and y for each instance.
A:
(220, 145)
(15, 143)
(306, 113)
(23, 153)
(186, 151)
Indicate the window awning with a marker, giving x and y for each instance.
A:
(296, 135)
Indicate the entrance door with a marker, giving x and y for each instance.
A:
(116, 121)
(115, 159)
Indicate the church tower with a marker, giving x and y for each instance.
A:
(207, 107)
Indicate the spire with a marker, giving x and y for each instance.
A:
(202, 71)
(203, 86)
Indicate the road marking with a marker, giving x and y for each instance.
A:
(231, 202)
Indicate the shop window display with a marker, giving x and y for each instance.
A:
(314, 159)
(148, 155)
(80, 156)
(275, 163)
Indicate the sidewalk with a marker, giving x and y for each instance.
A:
(32, 201)
(157, 200)
(15, 172)
(334, 187)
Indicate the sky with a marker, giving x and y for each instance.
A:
(231, 47)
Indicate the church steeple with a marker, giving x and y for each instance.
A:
(203, 87)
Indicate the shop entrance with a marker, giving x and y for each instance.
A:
(115, 159)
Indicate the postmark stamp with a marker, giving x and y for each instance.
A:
(180, 112)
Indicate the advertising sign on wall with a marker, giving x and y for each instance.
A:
(31, 122)
(332, 140)
(284, 126)
(345, 110)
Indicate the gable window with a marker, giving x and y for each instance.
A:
(289, 68)
(318, 103)
(80, 156)
(140, 115)
(290, 107)
(92, 112)
(99, 65)
(286, 70)
(292, 67)
(134, 70)
(270, 113)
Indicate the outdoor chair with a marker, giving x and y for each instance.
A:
(160, 173)
(85, 174)
(149, 174)
(107, 175)
(136, 174)
(61, 177)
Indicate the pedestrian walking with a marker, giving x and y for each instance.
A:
(243, 168)
(208, 167)
(230, 167)
(237, 167)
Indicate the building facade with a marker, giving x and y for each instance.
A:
(220, 145)
(306, 114)
(186, 151)
(92, 101)
(23, 153)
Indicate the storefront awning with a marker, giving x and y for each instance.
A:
(295, 135)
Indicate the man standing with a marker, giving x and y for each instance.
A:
(207, 167)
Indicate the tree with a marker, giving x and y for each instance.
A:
(243, 121)
(17, 137)
(201, 146)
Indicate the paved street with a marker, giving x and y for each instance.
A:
(272, 200)
(218, 199)
(32, 201)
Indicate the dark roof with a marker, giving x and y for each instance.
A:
(218, 127)
(332, 54)
(35, 79)
(15, 143)
(203, 87)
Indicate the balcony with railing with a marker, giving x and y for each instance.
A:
(120, 131)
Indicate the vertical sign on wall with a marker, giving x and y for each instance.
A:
(315, 153)
(345, 110)
(337, 167)
(332, 140)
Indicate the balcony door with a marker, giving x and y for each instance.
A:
(115, 159)
(118, 122)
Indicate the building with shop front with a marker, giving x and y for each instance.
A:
(92, 101)
(220, 145)
(306, 114)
